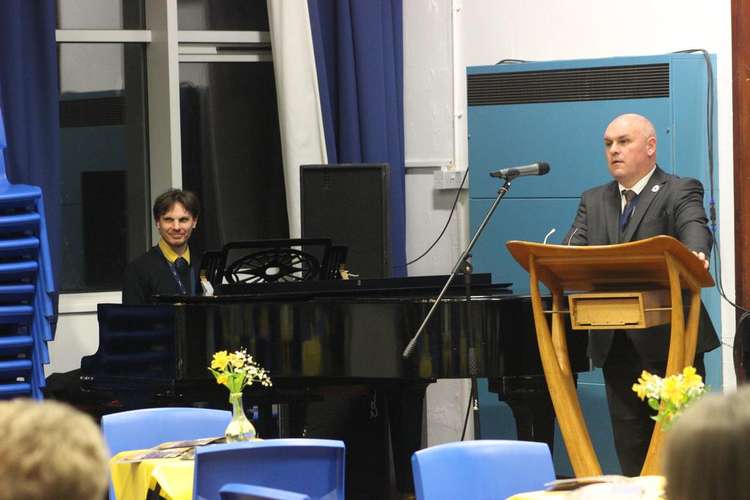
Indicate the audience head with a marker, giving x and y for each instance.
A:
(49, 450)
(706, 451)
(630, 148)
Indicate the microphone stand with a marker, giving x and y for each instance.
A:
(473, 364)
(460, 262)
(464, 262)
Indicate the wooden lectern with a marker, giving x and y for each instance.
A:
(626, 286)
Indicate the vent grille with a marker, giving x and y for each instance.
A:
(583, 84)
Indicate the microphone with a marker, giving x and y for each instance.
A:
(538, 168)
(551, 232)
(572, 234)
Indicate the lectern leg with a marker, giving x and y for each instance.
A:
(560, 383)
(682, 344)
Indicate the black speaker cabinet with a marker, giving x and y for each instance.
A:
(348, 203)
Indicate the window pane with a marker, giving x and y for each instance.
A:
(229, 15)
(231, 151)
(100, 14)
(105, 202)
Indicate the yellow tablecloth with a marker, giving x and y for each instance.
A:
(132, 480)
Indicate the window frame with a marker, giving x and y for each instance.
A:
(166, 47)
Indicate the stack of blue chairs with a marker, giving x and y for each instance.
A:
(26, 287)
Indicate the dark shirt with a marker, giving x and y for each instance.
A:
(150, 274)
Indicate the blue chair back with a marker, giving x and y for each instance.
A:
(236, 491)
(137, 429)
(484, 469)
(314, 467)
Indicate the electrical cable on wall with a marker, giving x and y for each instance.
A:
(445, 227)
(712, 198)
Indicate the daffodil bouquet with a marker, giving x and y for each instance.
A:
(669, 396)
(236, 370)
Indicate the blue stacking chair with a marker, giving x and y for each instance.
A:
(481, 470)
(26, 286)
(313, 467)
(139, 429)
(235, 491)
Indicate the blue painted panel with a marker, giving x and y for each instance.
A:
(688, 92)
(594, 405)
(496, 422)
(526, 219)
(567, 135)
(495, 417)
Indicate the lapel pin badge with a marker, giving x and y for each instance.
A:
(655, 189)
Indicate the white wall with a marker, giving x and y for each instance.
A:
(435, 134)
(77, 329)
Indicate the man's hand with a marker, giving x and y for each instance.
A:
(702, 256)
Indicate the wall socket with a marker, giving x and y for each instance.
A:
(449, 179)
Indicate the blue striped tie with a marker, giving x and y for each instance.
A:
(631, 200)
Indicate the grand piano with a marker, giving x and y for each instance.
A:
(317, 337)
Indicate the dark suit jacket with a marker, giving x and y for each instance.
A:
(150, 275)
(667, 205)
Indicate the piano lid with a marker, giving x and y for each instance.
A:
(481, 284)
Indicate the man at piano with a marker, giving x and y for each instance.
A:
(642, 201)
(167, 268)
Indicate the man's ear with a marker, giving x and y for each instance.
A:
(651, 145)
(195, 222)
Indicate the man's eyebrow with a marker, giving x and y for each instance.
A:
(618, 138)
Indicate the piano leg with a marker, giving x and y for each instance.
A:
(405, 412)
(266, 427)
(291, 419)
(356, 414)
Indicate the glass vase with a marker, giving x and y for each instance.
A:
(240, 428)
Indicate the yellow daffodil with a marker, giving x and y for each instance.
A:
(691, 378)
(220, 360)
(236, 370)
(640, 389)
(645, 378)
(673, 391)
(236, 360)
(669, 396)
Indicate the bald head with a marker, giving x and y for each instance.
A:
(630, 148)
(634, 121)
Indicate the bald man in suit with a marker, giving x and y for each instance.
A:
(642, 201)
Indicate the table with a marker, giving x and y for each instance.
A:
(640, 488)
(172, 477)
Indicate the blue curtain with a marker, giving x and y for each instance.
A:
(358, 54)
(29, 101)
